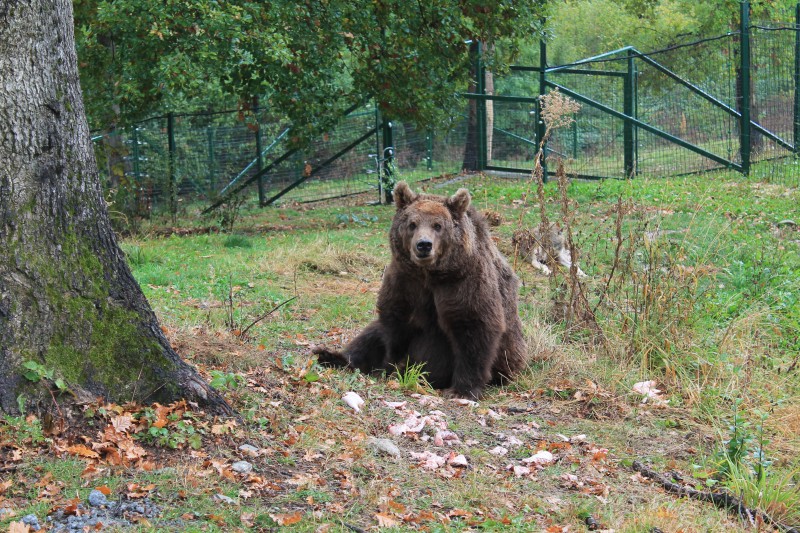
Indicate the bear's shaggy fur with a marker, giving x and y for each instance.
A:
(448, 300)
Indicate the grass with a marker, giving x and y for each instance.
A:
(412, 377)
(705, 300)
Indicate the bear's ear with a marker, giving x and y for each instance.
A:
(403, 195)
(458, 203)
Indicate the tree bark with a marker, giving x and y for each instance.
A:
(489, 84)
(67, 298)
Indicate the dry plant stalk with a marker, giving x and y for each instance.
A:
(558, 110)
(577, 308)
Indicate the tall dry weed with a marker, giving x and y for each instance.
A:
(641, 308)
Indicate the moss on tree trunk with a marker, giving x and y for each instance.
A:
(67, 298)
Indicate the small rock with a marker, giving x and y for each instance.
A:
(5, 512)
(248, 449)
(97, 498)
(224, 499)
(242, 467)
(32, 521)
(383, 446)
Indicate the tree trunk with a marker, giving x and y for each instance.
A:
(67, 298)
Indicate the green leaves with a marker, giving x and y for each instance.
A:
(310, 60)
(35, 371)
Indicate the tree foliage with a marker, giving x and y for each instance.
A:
(308, 59)
(581, 28)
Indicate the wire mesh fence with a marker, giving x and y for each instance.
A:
(593, 146)
(215, 153)
(774, 77)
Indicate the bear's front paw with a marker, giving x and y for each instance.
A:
(473, 394)
(326, 357)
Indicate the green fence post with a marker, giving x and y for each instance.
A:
(574, 127)
(259, 157)
(636, 116)
(387, 154)
(540, 125)
(173, 188)
(429, 149)
(480, 72)
(135, 141)
(212, 171)
(796, 139)
(378, 134)
(628, 128)
(744, 130)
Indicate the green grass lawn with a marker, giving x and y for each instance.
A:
(701, 295)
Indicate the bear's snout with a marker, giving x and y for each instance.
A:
(424, 247)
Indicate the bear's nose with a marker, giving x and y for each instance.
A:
(424, 246)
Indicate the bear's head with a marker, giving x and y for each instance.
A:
(426, 227)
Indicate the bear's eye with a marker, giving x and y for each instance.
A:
(437, 227)
(412, 226)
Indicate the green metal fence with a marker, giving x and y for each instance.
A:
(169, 163)
(721, 102)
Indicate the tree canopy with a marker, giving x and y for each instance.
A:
(308, 59)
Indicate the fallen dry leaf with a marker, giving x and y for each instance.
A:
(248, 519)
(542, 458)
(519, 471)
(650, 392)
(457, 460)
(428, 460)
(498, 451)
(18, 527)
(122, 423)
(598, 454)
(386, 520)
(83, 451)
(286, 519)
(353, 400)
(445, 438)
(464, 401)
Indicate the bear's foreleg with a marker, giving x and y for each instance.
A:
(475, 346)
(366, 352)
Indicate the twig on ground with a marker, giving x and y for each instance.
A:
(723, 500)
(794, 363)
(265, 315)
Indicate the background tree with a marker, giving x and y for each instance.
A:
(69, 306)
(309, 60)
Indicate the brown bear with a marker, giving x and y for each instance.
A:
(448, 300)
